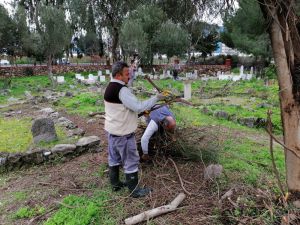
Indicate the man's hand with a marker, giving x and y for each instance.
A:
(145, 157)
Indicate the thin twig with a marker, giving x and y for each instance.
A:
(41, 215)
(67, 189)
(180, 179)
(269, 127)
(66, 205)
(282, 144)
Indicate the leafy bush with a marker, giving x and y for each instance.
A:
(269, 72)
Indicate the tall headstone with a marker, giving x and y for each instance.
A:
(187, 89)
(100, 73)
(242, 70)
(140, 71)
(251, 70)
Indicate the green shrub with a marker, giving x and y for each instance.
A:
(269, 72)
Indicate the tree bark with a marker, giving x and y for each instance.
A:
(50, 74)
(283, 22)
(115, 40)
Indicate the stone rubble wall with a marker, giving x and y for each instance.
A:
(13, 161)
(21, 71)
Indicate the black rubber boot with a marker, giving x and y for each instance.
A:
(114, 178)
(132, 182)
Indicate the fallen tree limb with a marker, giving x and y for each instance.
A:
(156, 212)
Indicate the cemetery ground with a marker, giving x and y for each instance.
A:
(224, 127)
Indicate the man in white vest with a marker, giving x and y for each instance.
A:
(121, 116)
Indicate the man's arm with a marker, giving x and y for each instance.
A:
(150, 130)
(131, 102)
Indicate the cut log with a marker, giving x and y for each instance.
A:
(156, 212)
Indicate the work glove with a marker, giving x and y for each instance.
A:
(160, 96)
(165, 95)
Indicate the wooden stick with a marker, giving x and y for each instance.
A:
(282, 144)
(156, 212)
(180, 179)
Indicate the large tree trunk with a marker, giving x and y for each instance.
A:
(115, 40)
(285, 44)
(50, 74)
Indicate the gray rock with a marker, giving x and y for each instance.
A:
(66, 123)
(205, 110)
(91, 121)
(46, 111)
(297, 204)
(75, 132)
(54, 115)
(14, 158)
(88, 141)
(12, 99)
(28, 95)
(43, 129)
(248, 121)
(3, 161)
(264, 105)
(213, 171)
(63, 148)
(33, 157)
(98, 103)
(69, 94)
(221, 114)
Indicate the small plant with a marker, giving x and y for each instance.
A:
(27, 212)
(235, 70)
(83, 210)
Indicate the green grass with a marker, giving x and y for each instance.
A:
(82, 103)
(239, 155)
(84, 210)
(15, 135)
(250, 159)
(20, 195)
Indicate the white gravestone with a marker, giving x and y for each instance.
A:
(242, 70)
(140, 72)
(99, 73)
(102, 78)
(77, 76)
(187, 89)
(107, 72)
(60, 79)
(91, 77)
